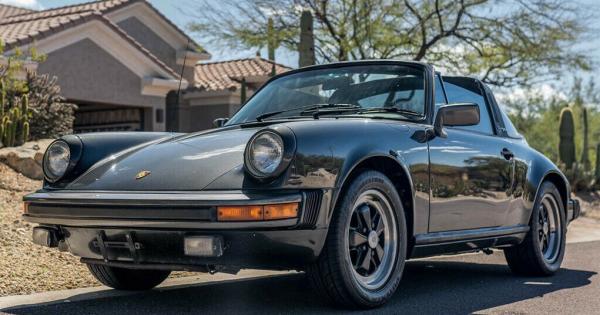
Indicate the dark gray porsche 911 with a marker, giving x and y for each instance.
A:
(344, 171)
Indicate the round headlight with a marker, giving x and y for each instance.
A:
(56, 160)
(264, 154)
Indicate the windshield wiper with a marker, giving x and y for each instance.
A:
(390, 110)
(320, 109)
(312, 109)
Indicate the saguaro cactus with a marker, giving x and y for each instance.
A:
(597, 169)
(306, 47)
(566, 143)
(14, 123)
(271, 43)
(243, 91)
(585, 158)
(2, 98)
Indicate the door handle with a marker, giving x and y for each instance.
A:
(507, 154)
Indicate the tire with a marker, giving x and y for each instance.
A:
(336, 274)
(542, 251)
(128, 279)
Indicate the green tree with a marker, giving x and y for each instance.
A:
(505, 43)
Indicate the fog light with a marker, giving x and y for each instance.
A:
(204, 246)
(45, 237)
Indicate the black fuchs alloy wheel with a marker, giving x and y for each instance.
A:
(362, 261)
(542, 251)
(372, 239)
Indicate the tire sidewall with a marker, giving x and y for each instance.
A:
(549, 268)
(370, 180)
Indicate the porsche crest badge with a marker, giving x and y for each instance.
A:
(142, 174)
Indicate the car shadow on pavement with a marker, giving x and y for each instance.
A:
(428, 287)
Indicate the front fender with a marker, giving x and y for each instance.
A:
(329, 153)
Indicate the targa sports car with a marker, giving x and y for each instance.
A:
(343, 170)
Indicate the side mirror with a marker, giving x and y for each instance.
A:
(220, 122)
(459, 114)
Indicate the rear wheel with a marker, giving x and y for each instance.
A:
(543, 249)
(128, 279)
(362, 261)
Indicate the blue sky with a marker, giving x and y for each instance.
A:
(172, 10)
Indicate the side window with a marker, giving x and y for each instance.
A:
(464, 90)
(440, 98)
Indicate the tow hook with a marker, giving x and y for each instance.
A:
(487, 251)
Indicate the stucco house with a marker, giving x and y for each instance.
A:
(121, 62)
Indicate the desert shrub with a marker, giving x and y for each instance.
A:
(30, 108)
(51, 117)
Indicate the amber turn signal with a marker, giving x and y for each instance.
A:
(257, 213)
(240, 213)
(25, 207)
(281, 211)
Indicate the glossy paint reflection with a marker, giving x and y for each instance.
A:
(471, 181)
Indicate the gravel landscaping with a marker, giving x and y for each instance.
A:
(25, 267)
(590, 204)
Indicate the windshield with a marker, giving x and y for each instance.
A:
(392, 91)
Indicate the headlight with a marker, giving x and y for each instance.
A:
(56, 160)
(265, 153)
(269, 152)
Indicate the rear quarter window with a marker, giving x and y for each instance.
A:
(511, 131)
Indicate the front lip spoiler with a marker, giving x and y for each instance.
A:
(156, 210)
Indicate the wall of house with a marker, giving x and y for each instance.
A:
(88, 73)
(202, 117)
(156, 45)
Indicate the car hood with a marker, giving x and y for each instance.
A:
(185, 163)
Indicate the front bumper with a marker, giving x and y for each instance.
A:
(573, 210)
(147, 230)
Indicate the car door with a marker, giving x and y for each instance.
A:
(471, 169)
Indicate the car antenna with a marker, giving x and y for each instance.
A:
(187, 46)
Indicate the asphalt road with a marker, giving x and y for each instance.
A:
(464, 284)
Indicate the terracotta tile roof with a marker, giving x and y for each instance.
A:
(100, 6)
(25, 26)
(226, 75)
(9, 10)
(103, 7)
(22, 32)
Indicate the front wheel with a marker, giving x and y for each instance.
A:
(363, 258)
(128, 279)
(543, 249)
